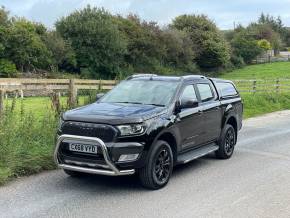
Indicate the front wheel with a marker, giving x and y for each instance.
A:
(227, 142)
(159, 165)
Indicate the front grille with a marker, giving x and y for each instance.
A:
(104, 132)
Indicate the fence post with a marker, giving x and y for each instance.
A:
(73, 92)
(21, 94)
(1, 101)
(100, 85)
(254, 86)
(55, 102)
(277, 85)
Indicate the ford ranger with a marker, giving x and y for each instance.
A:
(147, 125)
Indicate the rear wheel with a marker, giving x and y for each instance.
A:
(159, 165)
(227, 142)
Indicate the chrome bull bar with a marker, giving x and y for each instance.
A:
(111, 170)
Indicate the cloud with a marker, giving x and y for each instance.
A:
(223, 12)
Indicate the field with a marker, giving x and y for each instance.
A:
(27, 130)
(261, 71)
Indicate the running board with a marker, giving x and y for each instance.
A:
(196, 153)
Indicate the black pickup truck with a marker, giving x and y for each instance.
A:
(148, 124)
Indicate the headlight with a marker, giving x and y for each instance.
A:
(132, 129)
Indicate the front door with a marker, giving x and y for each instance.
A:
(190, 120)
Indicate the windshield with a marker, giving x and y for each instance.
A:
(149, 92)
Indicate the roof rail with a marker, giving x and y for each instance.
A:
(194, 76)
(142, 75)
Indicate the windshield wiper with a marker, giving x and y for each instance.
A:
(158, 105)
(128, 102)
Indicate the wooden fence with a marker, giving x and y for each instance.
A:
(266, 86)
(50, 86)
(73, 85)
(8, 84)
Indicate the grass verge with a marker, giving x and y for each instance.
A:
(258, 104)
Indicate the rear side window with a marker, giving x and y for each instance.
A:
(226, 89)
(205, 91)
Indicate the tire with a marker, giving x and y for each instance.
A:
(158, 168)
(227, 142)
(73, 173)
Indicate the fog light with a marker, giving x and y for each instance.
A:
(128, 157)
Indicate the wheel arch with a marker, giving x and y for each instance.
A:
(232, 120)
(170, 138)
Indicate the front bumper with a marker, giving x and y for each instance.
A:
(108, 168)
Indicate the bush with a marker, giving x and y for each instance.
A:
(7, 68)
(237, 61)
(264, 44)
(245, 46)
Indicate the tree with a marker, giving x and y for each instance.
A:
(245, 46)
(4, 17)
(63, 56)
(96, 40)
(179, 52)
(265, 31)
(145, 47)
(275, 23)
(212, 50)
(25, 47)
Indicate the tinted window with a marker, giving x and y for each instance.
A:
(205, 91)
(188, 93)
(226, 89)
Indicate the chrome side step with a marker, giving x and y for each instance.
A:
(196, 153)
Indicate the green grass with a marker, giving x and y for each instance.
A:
(27, 136)
(260, 71)
(26, 143)
(258, 104)
(39, 106)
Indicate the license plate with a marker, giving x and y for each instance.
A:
(92, 149)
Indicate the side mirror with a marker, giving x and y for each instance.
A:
(188, 103)
(99, 95)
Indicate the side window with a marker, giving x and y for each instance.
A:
(226, 89)
(205, 91)
(188, 93)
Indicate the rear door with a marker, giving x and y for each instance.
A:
(212, 113)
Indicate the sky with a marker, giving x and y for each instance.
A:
(223, 12)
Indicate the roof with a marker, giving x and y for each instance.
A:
(165, 78)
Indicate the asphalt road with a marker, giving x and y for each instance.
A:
(254, 183)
